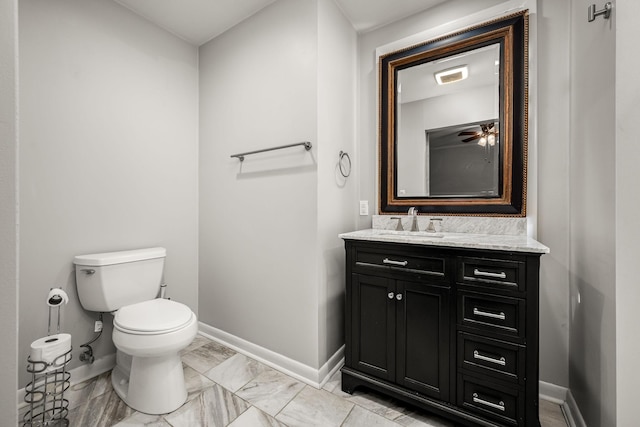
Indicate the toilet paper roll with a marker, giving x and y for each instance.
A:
(48, 349)
(57, 297)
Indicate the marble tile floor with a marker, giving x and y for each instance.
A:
(229, 389)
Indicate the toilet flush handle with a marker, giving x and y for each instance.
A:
(88, 271)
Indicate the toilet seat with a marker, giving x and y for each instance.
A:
(158, 316)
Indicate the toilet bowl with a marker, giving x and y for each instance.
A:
(152, 333)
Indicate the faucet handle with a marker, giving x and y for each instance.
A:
(431, 228)
(399, 224)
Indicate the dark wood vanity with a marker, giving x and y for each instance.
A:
(452, 330)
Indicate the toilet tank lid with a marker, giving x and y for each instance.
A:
(109, 258)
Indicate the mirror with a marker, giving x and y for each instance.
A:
(453, 123)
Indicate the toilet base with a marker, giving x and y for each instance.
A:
(155, 384)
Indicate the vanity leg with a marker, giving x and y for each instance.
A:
(348, 383)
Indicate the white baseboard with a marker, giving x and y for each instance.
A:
(82, 373)
(307, 374)
(552, 393)
(572, 412)
(563, 397)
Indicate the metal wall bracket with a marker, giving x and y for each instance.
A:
(593, 13)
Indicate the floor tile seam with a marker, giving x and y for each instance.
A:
(167, 421)
(347, 417)
(232, 391)
(257, 375)
(249, 406)
(400, 412)
(353, 405)
(370, 411)
(289, 402)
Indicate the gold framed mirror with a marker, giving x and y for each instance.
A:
(453, 122)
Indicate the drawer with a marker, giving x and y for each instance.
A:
(492, 313)
(434, 266)
(490, 399)
(487, 356)
(496, 274)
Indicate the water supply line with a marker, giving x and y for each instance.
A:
(163, 290)
(87, 354)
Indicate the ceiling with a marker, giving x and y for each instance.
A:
(198, 21)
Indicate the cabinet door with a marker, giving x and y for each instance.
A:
(423, 339)
(373, 321)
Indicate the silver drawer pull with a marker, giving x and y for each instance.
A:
(500, 315)
(501, 275)
(392, 262)
(502, 361)
(399, 297)
(499, 406)
(391, 295)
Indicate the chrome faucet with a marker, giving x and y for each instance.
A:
(414, 221)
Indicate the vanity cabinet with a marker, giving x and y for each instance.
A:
(451, 330)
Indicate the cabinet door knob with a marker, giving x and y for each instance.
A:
(390, 295)
(399, 297)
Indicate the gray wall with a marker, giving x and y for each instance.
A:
(337, 197)
(627, 226)
(108, 154)
(553, 132)
(8, 213)
(271, 269)
(592, 360)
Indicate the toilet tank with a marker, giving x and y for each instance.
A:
(110, 280)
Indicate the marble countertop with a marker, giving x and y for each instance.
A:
(452, 240)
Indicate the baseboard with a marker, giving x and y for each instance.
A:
(82, 373)
(307, 374)
(572, 412)
(552, 393)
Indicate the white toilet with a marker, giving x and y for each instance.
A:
(148, 332)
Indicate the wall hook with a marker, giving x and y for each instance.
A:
(593, 13)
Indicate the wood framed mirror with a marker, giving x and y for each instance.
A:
(453, 122)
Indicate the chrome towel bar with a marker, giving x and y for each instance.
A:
(307, 146)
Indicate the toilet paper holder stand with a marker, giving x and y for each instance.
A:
(49, 380)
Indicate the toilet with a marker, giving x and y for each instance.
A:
(148, 332)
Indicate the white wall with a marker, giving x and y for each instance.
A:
(271, 264)
(108, 154)
(8, 213)
(337, 198)
(258, 220)
(627, 226)
(553, 134)
(592, 369)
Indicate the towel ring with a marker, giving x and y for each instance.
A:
(341, 164)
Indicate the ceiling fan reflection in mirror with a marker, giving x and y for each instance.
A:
(487, 134)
